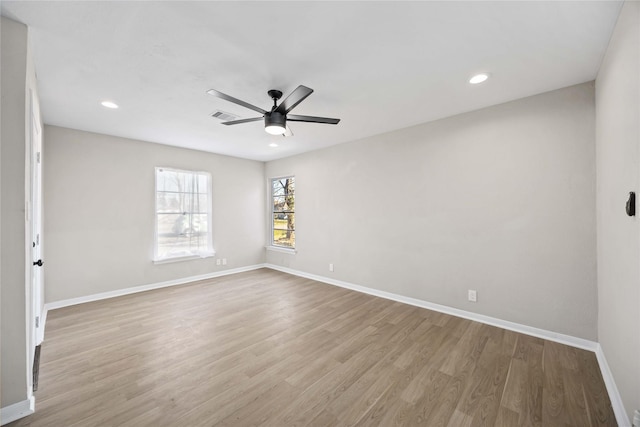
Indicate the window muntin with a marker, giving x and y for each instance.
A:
(183, 214)
(283, 230)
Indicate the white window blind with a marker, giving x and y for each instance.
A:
(183, 214)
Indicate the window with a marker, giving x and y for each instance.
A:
(183, 214)
(283, 225)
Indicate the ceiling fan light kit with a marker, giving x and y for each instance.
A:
(275, 121)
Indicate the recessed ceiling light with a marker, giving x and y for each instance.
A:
(109, 104)
(478, 78)
(273, 144)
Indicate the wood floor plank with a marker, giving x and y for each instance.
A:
(515, 393)
(531, 412)
(444, 407)
(325, 418)
(553, 391)
(506, 418)
(316, 398)
(389, 401)
(268, 348)
(397, 414)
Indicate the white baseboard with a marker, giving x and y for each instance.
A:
(17, 410)
(612, 389)
(505, 324)
(120, 292)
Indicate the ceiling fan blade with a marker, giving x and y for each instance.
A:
(237, 122)
(312, 119)
(288, 132)
(295, 98)
(235, 101)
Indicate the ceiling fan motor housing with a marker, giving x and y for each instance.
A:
(274, 118)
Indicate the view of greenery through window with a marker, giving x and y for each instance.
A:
(283, 198)
(182, 214)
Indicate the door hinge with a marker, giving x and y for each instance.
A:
(38, 157)
(38, 239)
(37, 321)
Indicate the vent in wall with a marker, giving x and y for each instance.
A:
(224, 116)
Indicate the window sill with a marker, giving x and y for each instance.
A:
(182, 258)
(283, 250)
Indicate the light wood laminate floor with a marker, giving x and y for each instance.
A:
(267, 348)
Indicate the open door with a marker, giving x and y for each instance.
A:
(35, 217)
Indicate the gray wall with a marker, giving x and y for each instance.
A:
(13, 327)
(99, 222)
(618, 156)
(501, 200)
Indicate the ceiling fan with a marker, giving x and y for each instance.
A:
(275, 120)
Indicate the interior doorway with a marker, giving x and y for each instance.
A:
(34, 240)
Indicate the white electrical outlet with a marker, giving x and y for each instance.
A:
(218, 261)
(224, 261)
(473, 295)
(330, 267)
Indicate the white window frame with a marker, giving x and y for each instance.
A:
(206, 252)
(272, 245)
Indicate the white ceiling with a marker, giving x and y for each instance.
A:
(379, 66)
